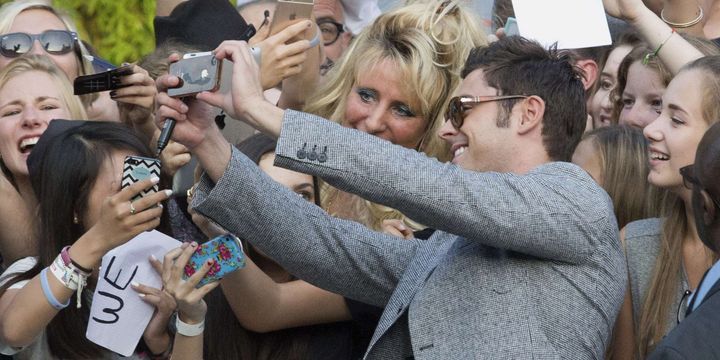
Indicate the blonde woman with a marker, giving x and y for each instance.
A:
(35, 27)
(617, 158)
(393, 82)
(33, 91)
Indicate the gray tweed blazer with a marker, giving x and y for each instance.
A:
(521, 266)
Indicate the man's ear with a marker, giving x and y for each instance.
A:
(590, 71)
(533, 110)
(708, 208)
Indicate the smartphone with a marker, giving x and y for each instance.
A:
(289, 12)
(137, 168)
(108, 80)
(227, 252)
(511, 27)
(198, 72)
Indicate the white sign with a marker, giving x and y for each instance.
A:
(573, 24)
(118, 316)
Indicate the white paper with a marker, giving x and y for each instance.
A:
(118, 316)
(572, 24)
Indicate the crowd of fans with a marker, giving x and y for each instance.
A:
(410, 188)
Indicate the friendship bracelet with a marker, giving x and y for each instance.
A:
(71, 263)
(189, 330)
(48, 293)
(683, 25)
(70, 277)
(646, 59)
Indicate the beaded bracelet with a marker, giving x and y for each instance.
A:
(646, 59)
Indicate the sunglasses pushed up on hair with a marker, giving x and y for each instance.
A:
(56, 42)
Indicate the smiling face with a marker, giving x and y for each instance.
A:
(35, 21)
(377, 105)
(27, 104)
(674, 136)
(601, 105)
(480, 144)
(642, 97)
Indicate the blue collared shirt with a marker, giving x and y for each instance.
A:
(710, 279)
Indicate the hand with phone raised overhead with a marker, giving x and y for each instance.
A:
(283, 54)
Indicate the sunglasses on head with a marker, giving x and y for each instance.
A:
(56, 42)
(459, 104)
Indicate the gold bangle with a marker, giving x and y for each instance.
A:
(683, 25)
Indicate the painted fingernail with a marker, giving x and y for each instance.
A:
(113, 94)
(153, 257)
(135, 284)
(154, 179)
(210, 261)
(193, 244)
(168, 192)
(160, 206)
(141, 295)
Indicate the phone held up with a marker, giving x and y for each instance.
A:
(227, 252)
(137, 168)
(104, 81)
(289, 12)
(198, 72)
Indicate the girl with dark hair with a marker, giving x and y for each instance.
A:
(75, 171)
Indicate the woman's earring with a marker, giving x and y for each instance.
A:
(75, 219)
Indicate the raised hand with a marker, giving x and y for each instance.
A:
(156, 336)
(280, 59)
(397, 228)
(190, 305)
(121, 218)
(628, 10)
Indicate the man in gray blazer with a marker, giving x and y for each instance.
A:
(526, 261)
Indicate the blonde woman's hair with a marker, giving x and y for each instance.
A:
(428, 43)
(665, 282)
(623, 154)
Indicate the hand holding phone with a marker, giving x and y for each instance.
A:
(227, 252)
(108, 80)
(137, 168)
(198, 72)
(288, 12)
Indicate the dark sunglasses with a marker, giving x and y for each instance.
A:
(56, 42)
(459, 104)
(691, 181)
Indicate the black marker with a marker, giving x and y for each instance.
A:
(165, 135)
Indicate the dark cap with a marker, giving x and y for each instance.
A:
(55, 128)
(256, 146)
(203, 24)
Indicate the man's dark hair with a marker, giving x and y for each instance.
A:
(517, 66)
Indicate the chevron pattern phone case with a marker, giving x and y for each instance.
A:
(227, 252)
(138, 168)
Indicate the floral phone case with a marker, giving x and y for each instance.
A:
(227, 252)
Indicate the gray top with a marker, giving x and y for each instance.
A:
(642, 241)
(522, 266)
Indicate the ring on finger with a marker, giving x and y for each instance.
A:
(132, 209)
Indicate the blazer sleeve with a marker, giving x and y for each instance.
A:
(337, 255)
(556, 211)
